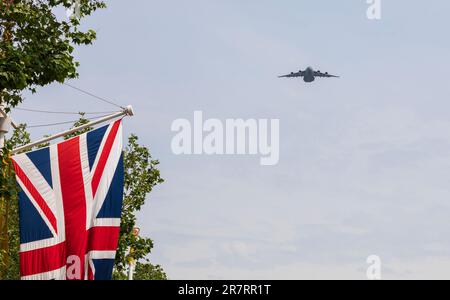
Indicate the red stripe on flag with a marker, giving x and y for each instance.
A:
(42, 260)
(103, 238)
(36, 195)
(104, 157)
(74, 198)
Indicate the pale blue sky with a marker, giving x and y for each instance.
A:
(365, 159)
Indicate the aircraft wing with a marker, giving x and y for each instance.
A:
(298, 74)
(320, 74)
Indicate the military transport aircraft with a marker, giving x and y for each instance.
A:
(309, 75)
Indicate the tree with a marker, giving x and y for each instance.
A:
(141, 176)
(9, 259)
(149, 272)
(36, 48)
(7, 194)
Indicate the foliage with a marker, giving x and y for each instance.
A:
(20, 137)
(9, 258)
(7, 194)
(36, 48)
(149, 272)
(80, 122)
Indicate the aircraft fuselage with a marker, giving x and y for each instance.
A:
(309, 75)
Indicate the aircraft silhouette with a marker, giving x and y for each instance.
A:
(309, 75)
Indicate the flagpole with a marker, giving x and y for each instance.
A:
(132, 261)
(127, 111)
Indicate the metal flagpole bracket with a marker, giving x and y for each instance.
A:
(5, 125)
(5, 115)
(127, 111)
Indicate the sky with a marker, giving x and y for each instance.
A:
(364, 159)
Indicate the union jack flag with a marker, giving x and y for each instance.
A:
(70, 204)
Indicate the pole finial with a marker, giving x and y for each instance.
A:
(129, 110)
